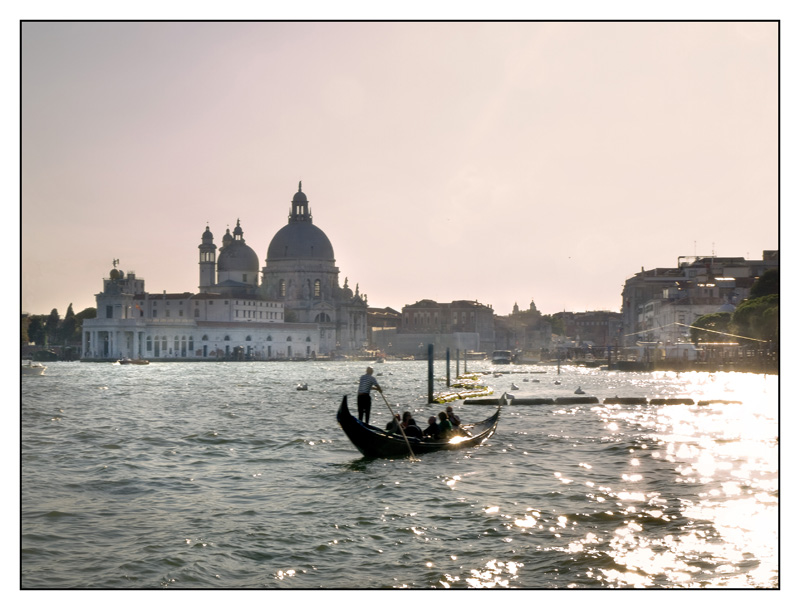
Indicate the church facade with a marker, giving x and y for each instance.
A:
(292, 307)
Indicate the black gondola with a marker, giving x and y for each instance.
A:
(374, 442)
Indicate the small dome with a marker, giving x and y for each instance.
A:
(300, 196)
(237, 256)
(116, 274)
(207, 234)
(227, 238)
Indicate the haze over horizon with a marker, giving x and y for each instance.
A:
(501, 162)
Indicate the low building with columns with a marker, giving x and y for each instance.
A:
(298, 310)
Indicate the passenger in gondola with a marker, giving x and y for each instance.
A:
(454, 420)
(432, 431)
(410, 427)
(445, 427)
(393, 427)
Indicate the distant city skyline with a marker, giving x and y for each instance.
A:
(501, 162)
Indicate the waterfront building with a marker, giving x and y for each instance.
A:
(525, 331)
(659, 305)
(592, 329)
(297, 310)
(465, 325)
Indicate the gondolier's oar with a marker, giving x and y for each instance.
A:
(403, 432)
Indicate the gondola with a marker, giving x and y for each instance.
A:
(376, 443)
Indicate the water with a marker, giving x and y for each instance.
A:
(223, 475)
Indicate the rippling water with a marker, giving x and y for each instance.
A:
(222, 475)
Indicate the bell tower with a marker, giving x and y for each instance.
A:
(208, 261)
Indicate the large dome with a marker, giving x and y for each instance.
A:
(300, 240)
(237, 256)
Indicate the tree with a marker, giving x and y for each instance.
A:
(86, 314)
(69, 329)
(768, 283)
(36, 330)
(758, 318)
(556, 324)
(24, 324)
(51, 326)
(718, 322)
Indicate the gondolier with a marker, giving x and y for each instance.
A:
(365, 385)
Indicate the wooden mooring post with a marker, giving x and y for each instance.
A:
(430, 373)
(448, 367)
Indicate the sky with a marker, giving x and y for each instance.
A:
(502, 162)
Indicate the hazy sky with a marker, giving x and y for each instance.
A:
(498, 162)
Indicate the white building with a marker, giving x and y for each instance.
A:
(297, 311)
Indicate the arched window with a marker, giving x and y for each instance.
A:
(317, 289)
(269, 337)
(322, 317)
(205, 338)
(227, 338)
(308, 339)
(248, 338)
(288, 339)
(191, 343)
(150, 343)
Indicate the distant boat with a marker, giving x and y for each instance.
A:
(33, 368)
(501, 356)
(579, 391)
(514, 386)
(133, 361)
(302, 386)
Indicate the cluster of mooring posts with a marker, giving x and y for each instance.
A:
(561, 400)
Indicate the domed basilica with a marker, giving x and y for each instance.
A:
(298, 309)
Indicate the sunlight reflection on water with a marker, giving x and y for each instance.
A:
(598, 495)
(722, 448)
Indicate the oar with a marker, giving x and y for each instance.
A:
(403, 432)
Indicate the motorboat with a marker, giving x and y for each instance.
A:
(29, 367)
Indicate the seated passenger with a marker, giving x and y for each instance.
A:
(413, 430)
(445, 427)
(454, 420)
(393, 427)
(432, 431)
(410, 426)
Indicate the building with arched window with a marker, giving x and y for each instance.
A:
(233, 314)
(301, 273)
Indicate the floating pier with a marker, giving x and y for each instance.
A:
(628, 400)
(590, 400)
